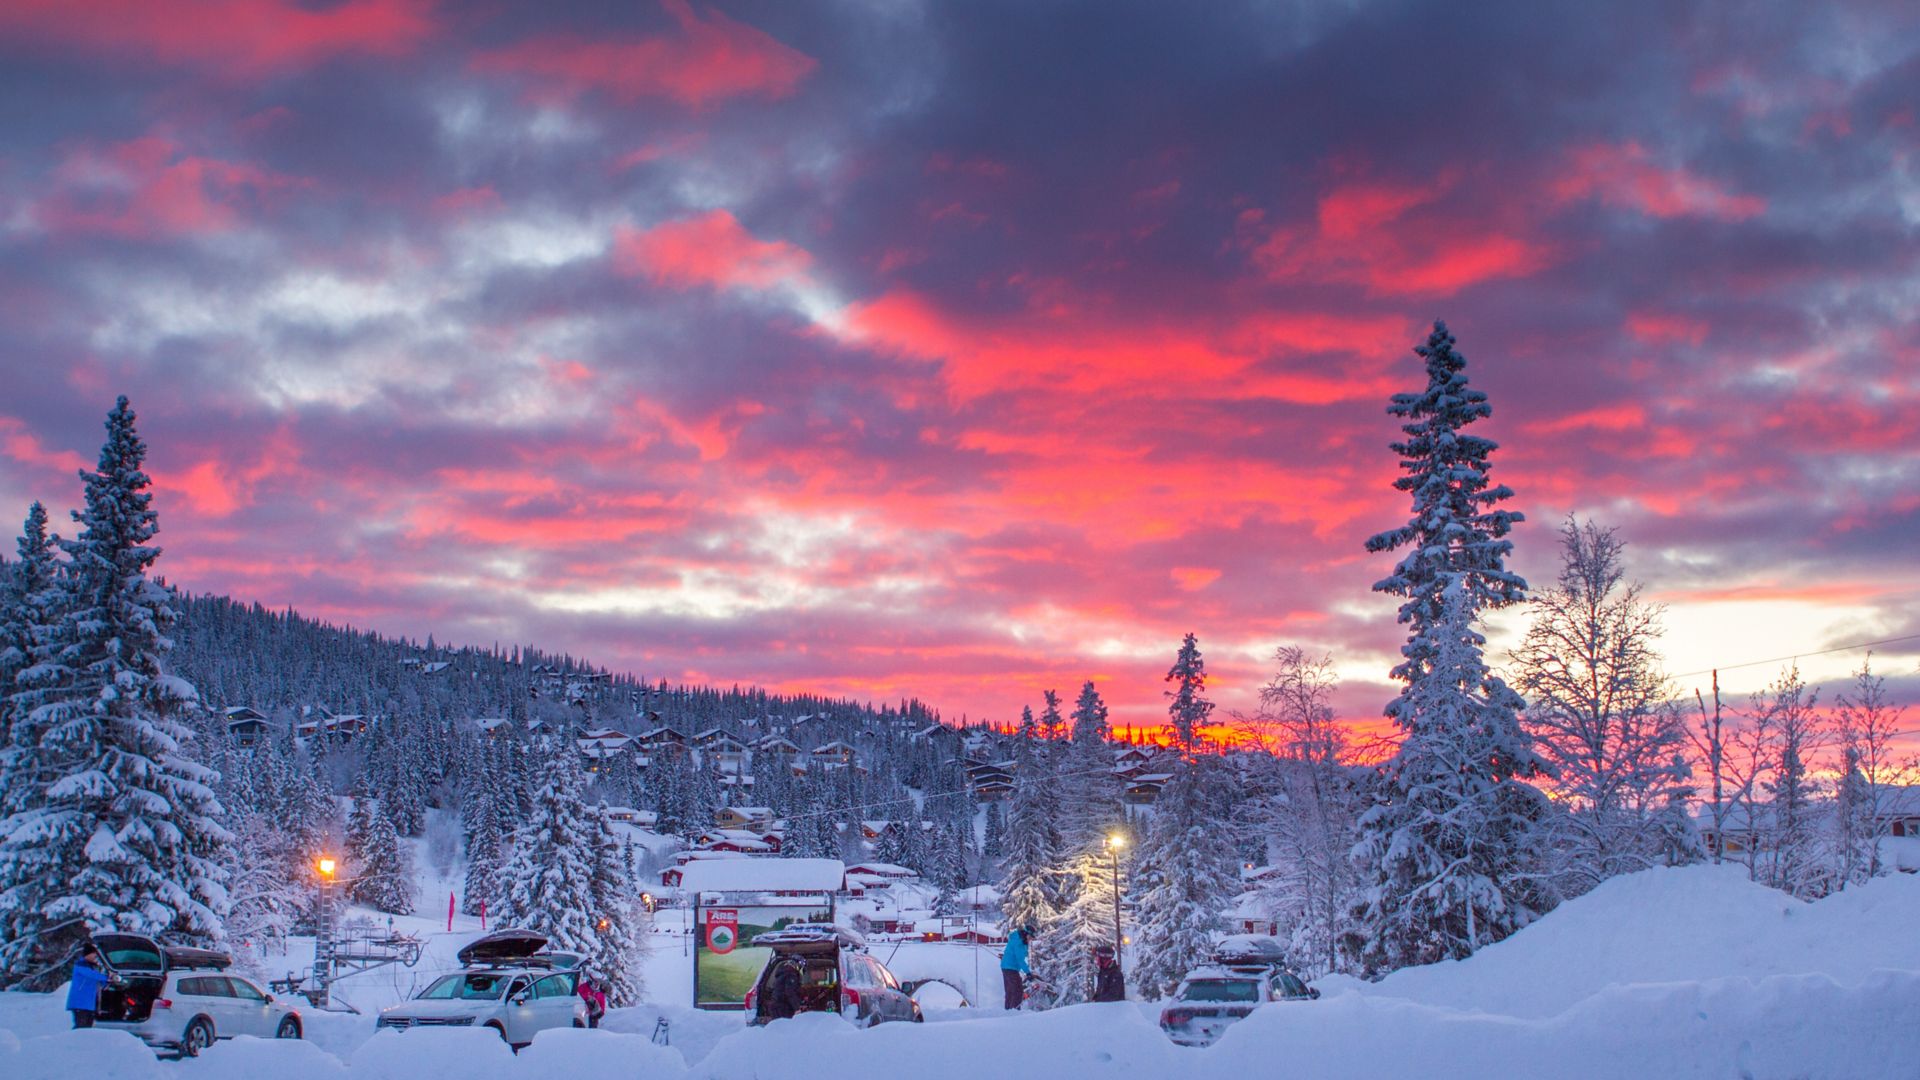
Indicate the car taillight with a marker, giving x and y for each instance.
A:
(849, 998)
(159, 1003)
(751, 995)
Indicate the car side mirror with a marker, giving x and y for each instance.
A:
(269, 999)
(519, 999)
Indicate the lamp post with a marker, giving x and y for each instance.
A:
(1115, 842)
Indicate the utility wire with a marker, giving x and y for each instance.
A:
(1796, 656)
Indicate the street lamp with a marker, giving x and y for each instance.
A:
(1115, 842)
(323, 934)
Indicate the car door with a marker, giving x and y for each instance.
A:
(520, 1019)
(554, 999)
(899, 1005)
(252, 1015)
(207, 995)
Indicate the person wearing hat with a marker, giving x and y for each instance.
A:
(83, 993)
(1108, 982)
(1013, 966)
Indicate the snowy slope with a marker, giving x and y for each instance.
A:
(1664, 926)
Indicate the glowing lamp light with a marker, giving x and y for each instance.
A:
(326, 867)
(1116, 841)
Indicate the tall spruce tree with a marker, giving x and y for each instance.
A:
(1186, 873)
(117, 825)
(1189, 709)
(382, 870)
(619, 921)
(29, 594)
(548, 884)
(1445, 850)
(1029, 894)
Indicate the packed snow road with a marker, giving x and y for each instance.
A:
(1670, 973)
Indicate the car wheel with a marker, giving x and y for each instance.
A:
(199, 1036)
(501, 1030)
(289, 1028)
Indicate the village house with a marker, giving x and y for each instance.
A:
(245, 724)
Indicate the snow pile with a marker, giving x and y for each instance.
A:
(1664, 926)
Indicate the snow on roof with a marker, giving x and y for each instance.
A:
(752, 811)
(764, 875)
(884, 869)
(980, 896)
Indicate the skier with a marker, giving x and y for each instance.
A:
(1013, 966)
(1108, 983)
(83, 994)
(783, 990)
(596, 1000)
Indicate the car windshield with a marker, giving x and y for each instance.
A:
(465, 988)
(1222, 990)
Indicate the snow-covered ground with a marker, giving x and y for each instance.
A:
(1689, 972)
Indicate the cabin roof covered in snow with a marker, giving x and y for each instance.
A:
(764, 875)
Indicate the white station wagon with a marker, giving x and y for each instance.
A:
(182, 999)
(506, 983)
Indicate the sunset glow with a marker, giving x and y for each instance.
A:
(866, 350)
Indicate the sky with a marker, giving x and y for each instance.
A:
(964, 351)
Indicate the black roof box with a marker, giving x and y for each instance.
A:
(501, 947)
(181, 956)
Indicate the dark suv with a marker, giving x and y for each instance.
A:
(837, 975)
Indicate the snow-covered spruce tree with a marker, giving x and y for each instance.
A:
(1189, 708)
(29, 593)
(117, 827)
(1032, 844)
(488, 835)
(549, 878)
(1602, 715)
(1447, 851)
(620, 930)
(382, 869)
(1091, 812)
(1186, 873)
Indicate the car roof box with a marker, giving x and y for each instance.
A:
(1250, 950)
(182, 957)
(501, 947)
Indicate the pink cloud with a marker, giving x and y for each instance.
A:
(712, 249)
(713, 59)
(152, 187)
(249, 37)
(1625, 175)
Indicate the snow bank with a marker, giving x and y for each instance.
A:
(1673, 925)
(1786, 1026)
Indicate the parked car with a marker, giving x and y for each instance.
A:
(507, 983)
(1247, 972)
(182, 1000)
(838, 975)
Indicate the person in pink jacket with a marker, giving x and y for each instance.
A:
(595, 999)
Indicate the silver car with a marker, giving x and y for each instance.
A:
(506, 983)
(183, 1000)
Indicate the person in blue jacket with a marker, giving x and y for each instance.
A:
(1013, 966)
(83, 993)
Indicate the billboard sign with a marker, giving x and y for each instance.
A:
(726, 962)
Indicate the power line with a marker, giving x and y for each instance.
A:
(1796, 656)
